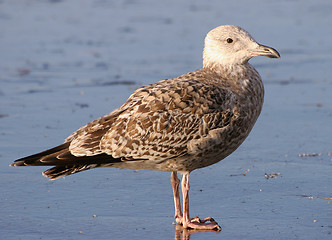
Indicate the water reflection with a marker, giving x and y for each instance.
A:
(184, 234)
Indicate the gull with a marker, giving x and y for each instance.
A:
(176, 125)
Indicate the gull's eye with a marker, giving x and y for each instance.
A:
(229, 40)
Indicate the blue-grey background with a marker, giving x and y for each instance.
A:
(66, 63)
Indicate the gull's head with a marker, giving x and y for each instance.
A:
(231, 45)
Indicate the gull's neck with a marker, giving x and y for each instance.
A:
(233, 71)
(240, 74)
(225, 66)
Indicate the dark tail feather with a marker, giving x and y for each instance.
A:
(34, 160)
(62, 171)
(64, 162)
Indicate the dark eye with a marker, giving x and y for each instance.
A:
(229, 40)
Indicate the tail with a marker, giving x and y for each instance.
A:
(64, 162)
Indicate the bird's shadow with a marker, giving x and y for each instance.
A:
(184, 233)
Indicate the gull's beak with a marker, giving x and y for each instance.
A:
(262, 50)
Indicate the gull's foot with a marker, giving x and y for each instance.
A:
(200, 224)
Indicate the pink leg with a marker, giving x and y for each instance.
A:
(195, 222)
(185, 194)
(175, 181)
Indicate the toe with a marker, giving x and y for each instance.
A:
(203, 226)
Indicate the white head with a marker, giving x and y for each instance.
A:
(231, 45)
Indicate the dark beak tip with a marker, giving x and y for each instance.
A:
(267, 52)
(275, 53)
(272, 53)
(275, 56)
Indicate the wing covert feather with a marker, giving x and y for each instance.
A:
(157, 121)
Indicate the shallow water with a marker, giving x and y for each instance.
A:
(65, 63)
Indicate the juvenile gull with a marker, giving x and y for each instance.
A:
(176, 125)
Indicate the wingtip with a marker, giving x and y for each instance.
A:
(49, 176)
(17, 164)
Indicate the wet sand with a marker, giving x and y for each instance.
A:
(66, 63)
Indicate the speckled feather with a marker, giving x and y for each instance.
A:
(182, 117)
(178, 124)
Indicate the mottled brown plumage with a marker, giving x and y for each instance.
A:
(176, 125)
